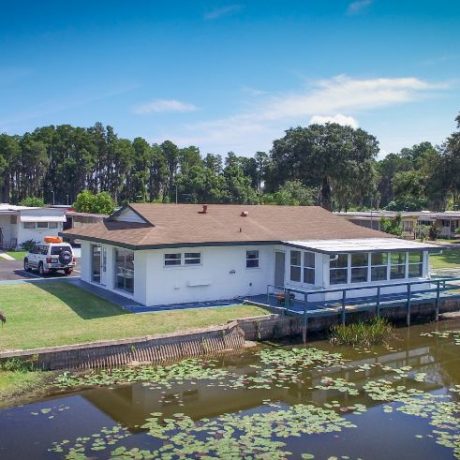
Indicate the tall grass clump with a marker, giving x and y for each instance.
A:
(362, 334)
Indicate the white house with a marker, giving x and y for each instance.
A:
(19, 224)
(161, 254)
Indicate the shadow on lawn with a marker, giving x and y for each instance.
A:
(84, 303)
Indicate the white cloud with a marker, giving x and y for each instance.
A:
(358, 6)
(220, 12)
(164, 105)
(338, 118)
(269, 115)
(345, 93)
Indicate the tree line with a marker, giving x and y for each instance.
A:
(331, 165)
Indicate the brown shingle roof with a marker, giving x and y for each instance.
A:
(183, 224)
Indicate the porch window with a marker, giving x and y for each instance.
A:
(173, 259)
(29, 225)
(309, 267)
(252, 259)
(359, 264)
(338, 273)
(296, 266)
(398, 265)
(379, 266)
(53, 225)
(192, 258)
(42, 224)
(124, 269)
(415, 264)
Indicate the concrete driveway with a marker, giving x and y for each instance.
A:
(13, 270)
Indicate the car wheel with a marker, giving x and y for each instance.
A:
(27, 266)
(41, 269)
(68, 271)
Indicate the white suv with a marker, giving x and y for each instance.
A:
(50, 257)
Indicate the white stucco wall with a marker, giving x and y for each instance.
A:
(8, 229)
(222, 274)
(35, 234)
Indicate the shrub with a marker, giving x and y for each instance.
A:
(17, 365)
(433, 232)
(99, 203)
(28, 245)
(365, 334)
(32, 201)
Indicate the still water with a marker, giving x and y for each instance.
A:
(270, 402)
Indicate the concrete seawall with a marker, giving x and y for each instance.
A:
(150, 349)
(204, 342)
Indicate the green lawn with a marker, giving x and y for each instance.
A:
(17, 382)
(450, 258)
(57, 313)
(18, 255)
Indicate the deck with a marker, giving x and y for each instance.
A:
(296, 302)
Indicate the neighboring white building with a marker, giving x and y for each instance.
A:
(168, 254)
(447, 223)
(19, 224)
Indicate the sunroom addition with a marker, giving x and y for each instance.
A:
(324, 263)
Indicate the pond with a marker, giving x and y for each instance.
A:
(270, 402)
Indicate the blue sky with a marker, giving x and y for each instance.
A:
(230, 75)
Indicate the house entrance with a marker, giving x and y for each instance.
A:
(96, 262)
(280, 258)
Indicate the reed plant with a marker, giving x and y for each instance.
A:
(362, 334)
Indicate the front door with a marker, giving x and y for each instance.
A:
(96, 263)
(279, 268)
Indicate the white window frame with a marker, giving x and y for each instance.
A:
(358, 267)
(409, 264)
(402, 264)
(386, 266)
(345, 268)
(172, 259)
(252, 259)
(185, 259)
(302, 267)
(192, 258)
(29, 225)
(308, 268)
(296, 266)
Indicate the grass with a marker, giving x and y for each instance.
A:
(450, 258)
(361, 334)
(18, 382)
(17, 378)
(57, 313)
(17, 255)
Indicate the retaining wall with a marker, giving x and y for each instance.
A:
(209, 341)
(156, 350)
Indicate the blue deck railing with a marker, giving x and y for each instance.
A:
(296, 301)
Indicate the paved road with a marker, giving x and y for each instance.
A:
(13, 270)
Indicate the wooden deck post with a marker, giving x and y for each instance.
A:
(378, 302)
(408, 304)
(305, 319)
(437, 301)
(344, 297)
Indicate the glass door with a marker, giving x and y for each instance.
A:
(95, 263)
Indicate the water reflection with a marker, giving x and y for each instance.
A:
(131, 405)
(23, 435)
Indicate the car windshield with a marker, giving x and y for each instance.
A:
(56, 250)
